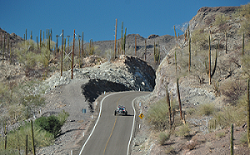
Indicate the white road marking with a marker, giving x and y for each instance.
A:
(97, 120)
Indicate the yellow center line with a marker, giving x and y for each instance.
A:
(112, 129)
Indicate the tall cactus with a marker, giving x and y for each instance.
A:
(145, 53)
(179, 97)
(68, 36)
(72, 61)
(5, 133)
(124, 41)
(169, 107)
(56, 44)
(243, 44)
(115, 38)
(62, 53)
(226, 42)
(26, 145)
(175, 58)
(248, 113)
(215, 63)
(209, 60)
(80, 54)
(232, 140)
(8, 44)
(26, 34)
(31, 37)
(37, 43)
(135, 45)
(154, 52)
(40, 39)
(189, 54)
(121, 45)
(50, 34)
(175, 36)
(33, 138)
(82, 44)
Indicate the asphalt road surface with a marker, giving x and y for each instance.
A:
(111, 134)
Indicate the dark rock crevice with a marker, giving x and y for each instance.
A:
(96, 87)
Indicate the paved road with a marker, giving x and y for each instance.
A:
(111, 134)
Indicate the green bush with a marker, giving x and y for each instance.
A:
(163, 137)
(206, 109)
(51, 124)
(62, 116)
(220, 19)
(183, 131)
(158, 116)
(17, 138)
(231, 114)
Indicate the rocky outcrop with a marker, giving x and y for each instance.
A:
(206, 15)
(14, 39)
(126, 73)
(152, 36)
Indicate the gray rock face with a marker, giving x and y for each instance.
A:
(152, 36)
(131, 72)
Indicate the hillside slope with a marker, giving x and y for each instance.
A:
(228, 85)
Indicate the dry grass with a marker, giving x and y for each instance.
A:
(163, 137)
(206, 109)
(220, 134)
(183, 131)
(232, 90)
(157, 115)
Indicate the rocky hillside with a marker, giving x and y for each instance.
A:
(124, 74)
(228, 62)
(225, 28)
(14, 39)
(165, 43)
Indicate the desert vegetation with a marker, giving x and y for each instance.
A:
(204, 55)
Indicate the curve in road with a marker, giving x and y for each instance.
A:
(112, 134)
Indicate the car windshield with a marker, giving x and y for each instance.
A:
(121, 108)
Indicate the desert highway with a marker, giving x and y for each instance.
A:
(111, 134)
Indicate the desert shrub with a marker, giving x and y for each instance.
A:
(4, 93)
(50, 124)
(232, 114)
(157, 115)
(232, 90)
(31, 102)
(183, 131)
(244, 13)
(9, 152)
(163, 137)
(243, 138)
(246, 62)
(62, 117)
(17, 138)
(191, 111)
(220, 134)
(206, 109)
(199, 40)
(220, 19)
